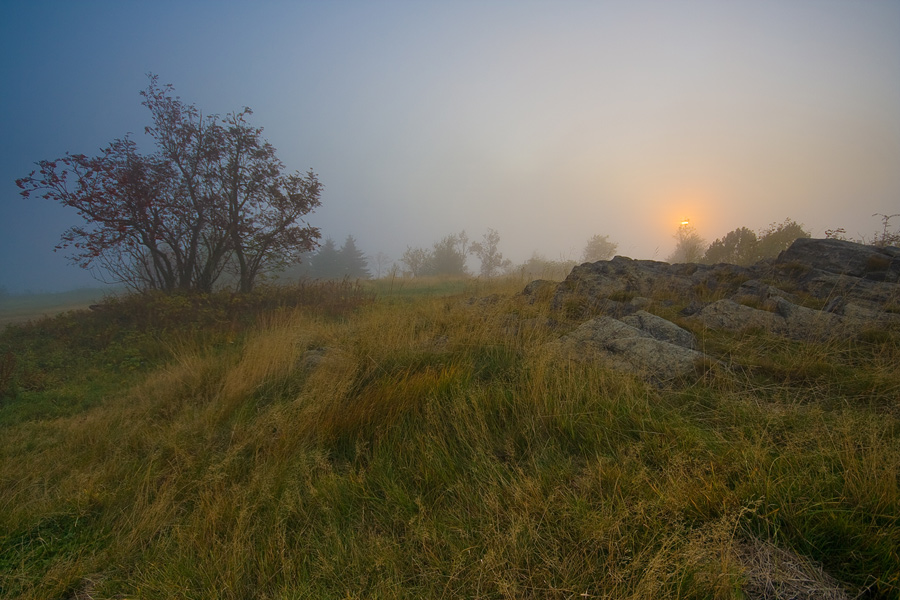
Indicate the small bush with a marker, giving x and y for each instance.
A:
(622, 296)
(877, 262)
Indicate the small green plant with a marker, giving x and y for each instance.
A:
(623, 296)
(704, 293)
(575, 306)
(886, 237)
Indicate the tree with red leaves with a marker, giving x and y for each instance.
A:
(212, 199)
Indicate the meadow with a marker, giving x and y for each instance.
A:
(418, 439)
(21, 308)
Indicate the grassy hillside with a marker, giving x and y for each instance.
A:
(314, 443)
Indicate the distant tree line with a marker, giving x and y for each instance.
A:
(331, 262)
(741, 246)
(539, 266)
(447, 257)
(346, 262)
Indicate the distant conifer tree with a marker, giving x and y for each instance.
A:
(351, 261)
(326, 264)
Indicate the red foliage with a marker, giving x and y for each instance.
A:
(213, 198)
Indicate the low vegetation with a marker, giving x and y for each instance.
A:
(325, 441)
(20, 308)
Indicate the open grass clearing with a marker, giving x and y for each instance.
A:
(430, 448)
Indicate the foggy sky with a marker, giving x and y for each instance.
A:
(547, 121)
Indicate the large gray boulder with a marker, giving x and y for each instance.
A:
(630, 348)
(661, 329)
(877, 295)
(779, 317)
(608, 286)
(728, 314)
(845, 258)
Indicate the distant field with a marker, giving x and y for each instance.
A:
(28, 307)
(21, 308)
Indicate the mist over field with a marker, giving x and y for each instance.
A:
(321, 299)
(548, 123)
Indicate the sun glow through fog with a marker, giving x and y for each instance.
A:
(549, 125)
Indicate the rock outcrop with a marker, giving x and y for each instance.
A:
(845, 258)
(815, 290)
(642, 343)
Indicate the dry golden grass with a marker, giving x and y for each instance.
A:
(430, 447)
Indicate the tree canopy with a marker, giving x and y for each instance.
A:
(599, 248)
(416, 260)
(738, 247)
(778, 236)
(689, 247)
(447, 257)
(488, 252)
(744, 247)
(212, 199)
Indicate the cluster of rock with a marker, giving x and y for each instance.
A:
(814, 290)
